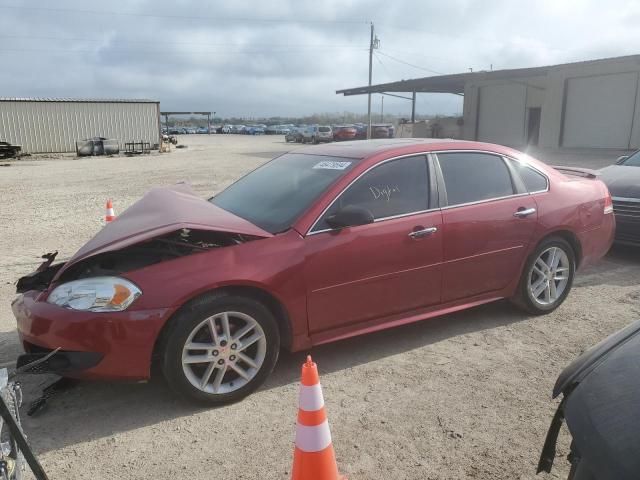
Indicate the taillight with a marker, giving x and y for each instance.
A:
(608, 203)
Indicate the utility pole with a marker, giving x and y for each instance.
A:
(382, 111)
(374, 43)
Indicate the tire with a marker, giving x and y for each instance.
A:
(192, 325)
(534, 277)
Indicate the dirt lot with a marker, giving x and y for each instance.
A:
(463, 396)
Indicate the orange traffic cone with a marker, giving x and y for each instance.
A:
(314, 458)
(109, 216)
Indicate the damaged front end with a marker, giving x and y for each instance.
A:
(176, 244)
(41, 278)
(173, 245)
(83, 285)
(91, 288)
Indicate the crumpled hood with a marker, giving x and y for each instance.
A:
(622, 181)
(161, 211)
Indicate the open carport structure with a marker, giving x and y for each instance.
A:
(206, 114)
(592, 104)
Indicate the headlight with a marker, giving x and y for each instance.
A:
(98, 294)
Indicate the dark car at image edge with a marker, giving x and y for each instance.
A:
(600, 406)
(623, 181)
(384, 233)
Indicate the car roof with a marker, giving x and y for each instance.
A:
(400, 146)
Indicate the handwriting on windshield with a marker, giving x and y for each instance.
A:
(384, 191)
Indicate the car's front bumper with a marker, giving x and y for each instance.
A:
(93, 345)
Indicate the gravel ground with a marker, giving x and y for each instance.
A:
(462, 396)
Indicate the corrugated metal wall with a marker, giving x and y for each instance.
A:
(52, 127)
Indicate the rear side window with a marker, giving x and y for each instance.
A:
(325, 129)
(472, 177)
(533, 180)
(394, 188)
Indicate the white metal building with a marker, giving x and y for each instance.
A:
(593, 104)
(47, 125)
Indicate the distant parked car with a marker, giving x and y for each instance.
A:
(226, 129)
(254, 130)
(174, 131)
(379, 131)
(384, 130)
(317, 134)
(623, 181)
(344, 132)
(292, 136)
(202, 130)
(277, 130)
(361, 131)
(237, 128)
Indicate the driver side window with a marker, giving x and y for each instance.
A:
(396, 187)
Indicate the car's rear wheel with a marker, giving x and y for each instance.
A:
(547, 277)
(220, 348)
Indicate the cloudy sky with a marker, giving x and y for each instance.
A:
(287, 57)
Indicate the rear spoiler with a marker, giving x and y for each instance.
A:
(577, 171)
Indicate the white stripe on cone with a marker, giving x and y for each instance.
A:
(310, 398)
(313, 439)
(110, 212)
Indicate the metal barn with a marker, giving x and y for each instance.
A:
(53, 125)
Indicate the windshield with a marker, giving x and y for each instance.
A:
(276, 194)
(633, 160)
(325, 129)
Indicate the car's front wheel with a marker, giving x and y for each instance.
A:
(547, 277)
(220, 348)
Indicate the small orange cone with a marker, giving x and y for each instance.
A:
(313, 458)
(109, 216)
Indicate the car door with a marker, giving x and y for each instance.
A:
(489, 220)
(387, 267)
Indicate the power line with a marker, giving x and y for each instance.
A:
(375, 54)
(117, 41)
(411, 64)
(164, 52)
(414, 53)
(183, 17)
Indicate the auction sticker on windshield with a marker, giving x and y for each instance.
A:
(328, 165)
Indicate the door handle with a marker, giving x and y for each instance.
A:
(525, 212)
(423, 233)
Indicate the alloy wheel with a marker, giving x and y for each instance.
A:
(224, 352)
(549, 276)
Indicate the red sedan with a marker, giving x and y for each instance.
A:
(344, 132)
(319, 244)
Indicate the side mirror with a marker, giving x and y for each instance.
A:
(621, 159)
(350, 216)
